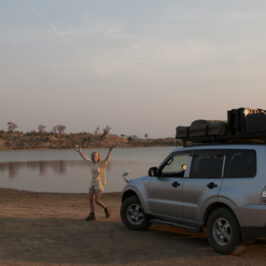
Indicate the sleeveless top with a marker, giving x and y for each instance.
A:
(98, 174)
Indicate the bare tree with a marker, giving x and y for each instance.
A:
(11, 126)
(96, 131)
(54, 130)
(106, 131)
(134, 137)
(41, 128)
(60, 129)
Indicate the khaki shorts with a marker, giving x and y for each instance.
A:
(96, 186)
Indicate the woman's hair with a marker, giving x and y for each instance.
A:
(99, 158)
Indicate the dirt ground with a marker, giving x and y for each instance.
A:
(49, 229)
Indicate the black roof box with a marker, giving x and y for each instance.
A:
(242, 125)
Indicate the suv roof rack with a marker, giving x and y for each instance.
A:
(188, 143)
(243, 126)
(226, 139)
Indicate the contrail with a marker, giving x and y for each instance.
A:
(58, 33)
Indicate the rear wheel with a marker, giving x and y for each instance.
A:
(133, 215)
(223, 231)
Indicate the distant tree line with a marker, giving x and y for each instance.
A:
(59, 129)
(56, 138)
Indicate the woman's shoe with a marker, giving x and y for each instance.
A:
(107, 212)
(90, 217)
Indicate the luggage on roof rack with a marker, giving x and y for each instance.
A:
(181, 132)
(256, 123)
(243, 125)
(202, 128)
(218, 128)
(237, 120)
(198, 128)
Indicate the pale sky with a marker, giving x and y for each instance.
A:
(140, 66)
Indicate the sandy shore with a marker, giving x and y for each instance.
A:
(49, 229)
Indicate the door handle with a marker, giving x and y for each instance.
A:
(175, 184)
(212, 185)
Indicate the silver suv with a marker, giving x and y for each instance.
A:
(218, 187)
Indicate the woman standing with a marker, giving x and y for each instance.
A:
(98, 181)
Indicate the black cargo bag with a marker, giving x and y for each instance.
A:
(198, 128)
(217, 128)
(181, 132)
(237, 120)
(256, 123)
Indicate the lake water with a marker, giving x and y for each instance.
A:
(64, 170)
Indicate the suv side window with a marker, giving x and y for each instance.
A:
(207, 164)
(175, 166)
(240, 163)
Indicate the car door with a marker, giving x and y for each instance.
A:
(203, 182)
(238, 181)
(165, 190)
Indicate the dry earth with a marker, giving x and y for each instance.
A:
(49, 229)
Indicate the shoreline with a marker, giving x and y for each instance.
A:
(22, 191)
(63, 149)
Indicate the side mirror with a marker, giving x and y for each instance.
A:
(125, 174)
(153, 171)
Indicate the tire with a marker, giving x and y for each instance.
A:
(224, 232)
(133, 215)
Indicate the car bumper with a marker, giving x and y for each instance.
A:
(253, 216)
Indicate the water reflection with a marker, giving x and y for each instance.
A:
(62, 175)
(60, 171)
(58, 167)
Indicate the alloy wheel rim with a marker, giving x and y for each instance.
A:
(135, 214)
(222, 231)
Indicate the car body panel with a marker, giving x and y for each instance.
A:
(191, 201)
(164, 199)
(196, 194)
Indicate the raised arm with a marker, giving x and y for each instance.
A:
(82, 154)
(109, 152)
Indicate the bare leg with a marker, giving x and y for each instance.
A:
(100, 203)
(92, 199)
(97, 199)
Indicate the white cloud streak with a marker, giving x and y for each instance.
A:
(58, 33)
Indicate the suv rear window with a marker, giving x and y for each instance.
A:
(240, 163)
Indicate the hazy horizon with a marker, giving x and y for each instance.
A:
(137, 66)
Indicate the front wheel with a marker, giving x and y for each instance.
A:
(223, 231)
(133, 215)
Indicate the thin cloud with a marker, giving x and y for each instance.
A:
(239, 15)
(57, 32)
(106, 29)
